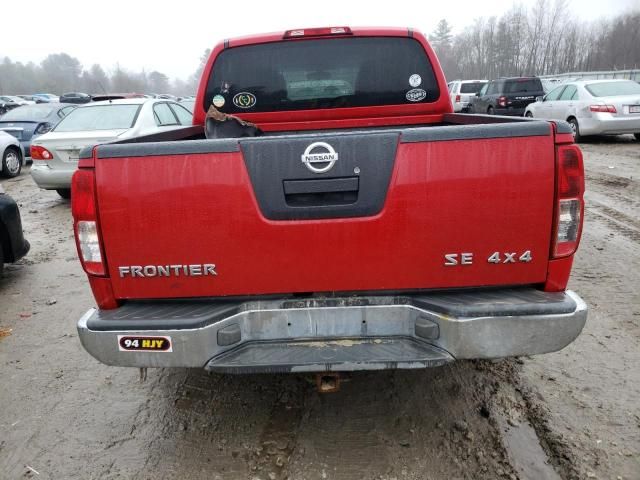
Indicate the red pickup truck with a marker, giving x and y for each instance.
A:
(359, 224)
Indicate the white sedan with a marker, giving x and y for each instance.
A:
(55, 154)
(11, 155)
(592, 107)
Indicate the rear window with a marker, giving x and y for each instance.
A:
(613, 89)
(474, 87)
(524, 85)
(99, 117)
(27, 113)
(324, 73)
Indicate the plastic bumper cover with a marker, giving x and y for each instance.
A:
(606, 124)
(338, 334)
(50, 178)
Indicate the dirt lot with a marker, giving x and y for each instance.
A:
(573, 414)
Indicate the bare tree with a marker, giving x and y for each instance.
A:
(542, 40)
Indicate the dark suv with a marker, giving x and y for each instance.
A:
(507, 96)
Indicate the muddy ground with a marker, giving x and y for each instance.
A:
(572, 414)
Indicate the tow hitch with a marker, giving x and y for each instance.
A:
(328, 382)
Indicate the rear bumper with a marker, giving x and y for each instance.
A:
(606, 124)
(26, 146)
(338, 334)
(461, 106)
(510, 111)
(52, 178)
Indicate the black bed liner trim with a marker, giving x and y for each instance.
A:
(188, 140)
(476, 131)
(197, 313)
(168, 148)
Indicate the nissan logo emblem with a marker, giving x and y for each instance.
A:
(319, 157)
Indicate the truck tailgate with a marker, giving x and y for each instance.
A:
(383, 217)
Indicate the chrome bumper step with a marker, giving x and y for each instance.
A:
(342, 355)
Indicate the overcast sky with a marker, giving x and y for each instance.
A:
(171, 36)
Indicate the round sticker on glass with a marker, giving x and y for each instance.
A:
(218, 101)
(244, 100)
(415, 80)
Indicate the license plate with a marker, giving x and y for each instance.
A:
(72, 155)
(634, 109)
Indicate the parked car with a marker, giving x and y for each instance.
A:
(30, 98)
(101, 97)
(55, 154)
(75, 97)
(188, 103)
(462, 93)
(27, 122)
(592, 107)
(13, 245)
(46, 97)
(18, 99)
(507, 96)
(11, 155)
(7, 103)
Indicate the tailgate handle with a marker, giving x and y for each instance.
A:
(326, 191)
(325, 185)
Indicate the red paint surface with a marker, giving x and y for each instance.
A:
(558, 274)
(474, 196)
(335, 117)
(477, 196)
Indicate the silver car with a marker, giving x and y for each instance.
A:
(592, 107)
(462, 93)
(55, 154)
(11, 155)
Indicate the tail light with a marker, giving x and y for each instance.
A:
(40, 153)
(502, 101)
(457, 98)
(86, 226)
(603, 108)
(43, 128)
(569, 209)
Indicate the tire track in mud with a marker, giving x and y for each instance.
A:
(616, 221)
(519, 397)
(341, 435)
(619, 189)
(278, 441)
(617, 215)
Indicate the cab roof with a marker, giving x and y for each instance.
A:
(352, 31)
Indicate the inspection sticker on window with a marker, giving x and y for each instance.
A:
(218, 101)
(147, 343)
(416, 94)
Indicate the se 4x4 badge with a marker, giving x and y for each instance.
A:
(453, 259)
